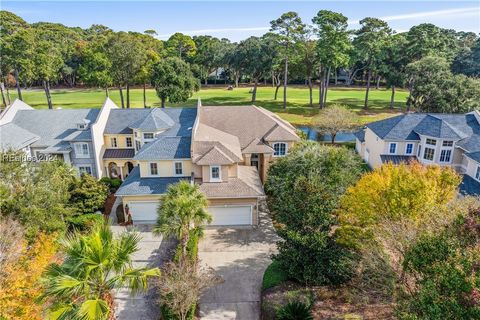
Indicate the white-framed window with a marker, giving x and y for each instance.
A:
(82, 150)
(178, 168)
(85, 169)
(477, 174)
(128, 142)
(431, 142)
(419, 151)
(135, 134)
(113, 142)
(137, 145)
(429, 154)
(148, 136)
(409, 148)
(215, 174)
(279, 149)
(153, 169)
(392, 148)
(447, 143)
(446, 155)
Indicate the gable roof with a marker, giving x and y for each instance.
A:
(155, 120)
(214, 156)
(463, 128)
(257, 146)
(207, 137)
(55, 127)
(15, 137)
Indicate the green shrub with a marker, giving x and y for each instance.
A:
(273, 276)
(295, 310)
(88, 195)
(112, 183)
(192, 246)
(85, 222)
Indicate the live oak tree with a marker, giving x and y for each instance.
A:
(289, 27)
(181, 45)
(334, 119)
(334, 46)
(306, 61)
(95, 69)
(370, 38)
(208, 54)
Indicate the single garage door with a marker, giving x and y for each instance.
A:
(143, 211)
(231, 215)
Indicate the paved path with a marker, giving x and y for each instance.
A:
(240, 257)
(153, 252)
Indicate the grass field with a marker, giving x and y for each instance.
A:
(298, 111)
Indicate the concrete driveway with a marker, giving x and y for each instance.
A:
(240, 257)
(153, 252)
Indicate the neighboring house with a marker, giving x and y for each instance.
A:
(225, 150)
(442, 139)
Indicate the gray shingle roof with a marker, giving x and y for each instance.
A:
(165, 147)
(469, 186)
(134, 185)
(396, 159)
(360, 135)
(119, 153)
(155, 120)
(461, 127)
(14, 137)
(57, 125)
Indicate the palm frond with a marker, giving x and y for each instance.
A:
(137, 279)
(95, 309)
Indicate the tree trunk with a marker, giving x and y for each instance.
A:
(216, 75)
(254, 92)
(273, 79)
(107, 94)
(8, 92)
(276, 90)
(163, 102)
(334, 135)
(392, 98)
(237, 78)
(310, 89)
(4, 99)
(144, 95)
(17, 84)
(336, 76)
(206, 80)
(378, 83)
(46, 86)
(369, 76)
(128, 95)
(327, 81)
(121, 96)
(285, 80)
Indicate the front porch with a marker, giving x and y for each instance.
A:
(118, 169)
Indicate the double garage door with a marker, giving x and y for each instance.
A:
(146, 212)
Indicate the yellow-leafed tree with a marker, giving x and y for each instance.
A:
(20, 287)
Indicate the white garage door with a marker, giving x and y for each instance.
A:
(143, 211)
(231, 215)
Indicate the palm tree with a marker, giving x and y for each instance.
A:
(182, 209)
(94, 265)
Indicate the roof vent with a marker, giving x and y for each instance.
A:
(83, 125)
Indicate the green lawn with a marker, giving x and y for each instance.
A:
(298, 111)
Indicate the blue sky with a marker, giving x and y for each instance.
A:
(237, 20)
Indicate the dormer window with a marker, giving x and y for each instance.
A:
(148, 136)
(215, 174)
(82, 125)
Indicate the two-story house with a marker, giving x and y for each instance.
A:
(225, 150)
(441, 139)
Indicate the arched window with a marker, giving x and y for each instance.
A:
(280, 149)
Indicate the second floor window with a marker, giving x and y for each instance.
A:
(81, 150)
(428, 154)
(178, 168)
(409, 148)
(279, 149)
(113, 142)
(445, 155)
(447, 143)
(137, 145)
(392, 149)
(128, 142)
(215, 173)
(153, 169)
(431, 142)
(148, 135)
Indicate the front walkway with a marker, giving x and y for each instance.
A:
(153, 252)
(240, 257)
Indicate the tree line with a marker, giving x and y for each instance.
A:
(440, 67)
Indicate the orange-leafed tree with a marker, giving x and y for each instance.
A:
(20, 287)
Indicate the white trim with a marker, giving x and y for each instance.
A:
(175, 168)
(150, 168)
(406, 147)
(390, 147)
(219, 179)
(113, 142)
(279, 155)
(131, 142)
(80, 145)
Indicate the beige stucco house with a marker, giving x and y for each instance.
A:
(432, 139)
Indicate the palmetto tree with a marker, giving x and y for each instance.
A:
(182, 208)
(94, 265)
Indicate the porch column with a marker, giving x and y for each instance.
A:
(121, 173)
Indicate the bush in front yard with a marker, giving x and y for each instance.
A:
(303, 190)
(88, 195)
(112, 183)
(273, 276)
